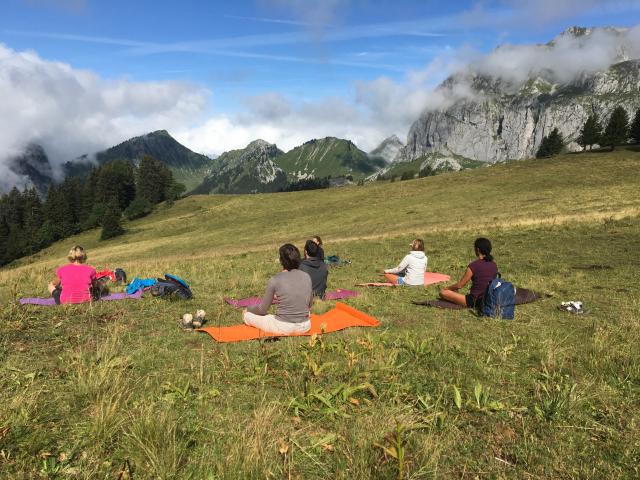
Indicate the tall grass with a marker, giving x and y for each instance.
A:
(116, 390)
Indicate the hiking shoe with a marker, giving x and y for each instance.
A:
(186, 322)
(574, 307)
(198, 321)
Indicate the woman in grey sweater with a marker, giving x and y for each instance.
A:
(292, 290)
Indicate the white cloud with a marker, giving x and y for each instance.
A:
(287, 123)
(71, 112)
(568, 57)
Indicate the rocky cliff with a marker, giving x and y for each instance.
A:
(388, 149)
(32, 168)
(499, 119)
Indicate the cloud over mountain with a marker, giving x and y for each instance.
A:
(70, 111)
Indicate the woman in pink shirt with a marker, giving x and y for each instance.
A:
(74, 281)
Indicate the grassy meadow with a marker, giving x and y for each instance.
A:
(116, 390)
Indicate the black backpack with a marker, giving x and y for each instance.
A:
(172, 287)
(121, 276)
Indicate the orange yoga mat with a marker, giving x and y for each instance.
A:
(339, 318)
(430, 278)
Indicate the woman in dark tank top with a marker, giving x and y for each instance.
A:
(480, 272)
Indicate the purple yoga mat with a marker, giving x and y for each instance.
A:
(253, 301)
(49, 301)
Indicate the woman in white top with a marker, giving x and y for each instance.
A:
(412, 267)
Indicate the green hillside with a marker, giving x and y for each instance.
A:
(430, 164)
(251, 169)
(104, 390)
(326, 157)
(187, 166)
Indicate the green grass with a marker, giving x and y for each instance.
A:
(96, 391)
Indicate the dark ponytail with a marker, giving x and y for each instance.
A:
(483, 246)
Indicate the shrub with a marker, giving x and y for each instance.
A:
(111, 226)
(138, 208)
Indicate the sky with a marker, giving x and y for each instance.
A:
(81, 75)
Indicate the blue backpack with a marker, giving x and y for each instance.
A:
(500, 299)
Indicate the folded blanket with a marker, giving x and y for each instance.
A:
(49, 301)
(339, 318)
(253, 301)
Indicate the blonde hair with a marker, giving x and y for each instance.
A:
(77, 254)
(417, 245)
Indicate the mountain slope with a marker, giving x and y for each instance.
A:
(388, 149)
(34, 168)
(248, 170)
(498, 119)
(127, 367)
(326, 157)
(187, 166)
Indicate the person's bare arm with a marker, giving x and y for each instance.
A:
(466, 278)
(55, 282)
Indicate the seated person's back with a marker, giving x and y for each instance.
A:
(291, 290)
(74, 280)
(315, 267)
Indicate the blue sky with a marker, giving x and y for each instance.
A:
(252, 61)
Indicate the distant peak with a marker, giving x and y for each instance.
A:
(392, 139)
(259, 143)
(158, 133)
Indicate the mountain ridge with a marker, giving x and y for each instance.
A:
(505, 120)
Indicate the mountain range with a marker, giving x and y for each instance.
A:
(496, 120)
(501, 120)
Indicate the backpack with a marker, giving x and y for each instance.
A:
(171, 287)
(500, 299)
(121, 276)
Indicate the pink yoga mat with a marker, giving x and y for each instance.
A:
(254, 301)
(430, 278)
(50, 302)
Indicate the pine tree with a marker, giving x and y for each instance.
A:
(88, 196)
(634, 130)
(591, 133)
(116, 179)
(551, 144)
(111, 226)
(617, 130)
(33, 220)
(4, 240)
(139, 208)
(154, 180)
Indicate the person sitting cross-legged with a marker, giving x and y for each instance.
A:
(480, 272)
(74, 282)
(412, 267)
(315, 267)
(293, 292)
